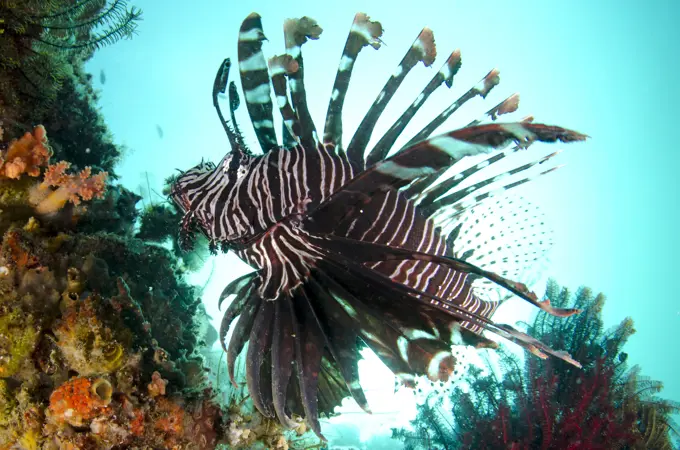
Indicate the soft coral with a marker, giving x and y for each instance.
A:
(70, 187)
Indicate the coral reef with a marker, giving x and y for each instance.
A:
(101, 340)
(78, 355)
(552, 405)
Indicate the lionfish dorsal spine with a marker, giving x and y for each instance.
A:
(296, 33)
(423, 49)
(220, 87)
(443, 76)
(255, 81)
(281, 67)
(363, 32)
(482, 89)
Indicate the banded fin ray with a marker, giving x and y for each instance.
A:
(236, 287)
(364, 32)
(432, 155)
(296, 33)
(280, 68)
(517, 233)
(425, 188)
(282, 357)
(373, 252)
(423, 49)
(431, 207)
(255, 80)
(241, 331)
(482, 89)
(259, 344)
(443, 76)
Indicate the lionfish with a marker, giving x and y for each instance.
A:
(352, 248)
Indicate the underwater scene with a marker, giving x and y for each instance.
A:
(339, 225)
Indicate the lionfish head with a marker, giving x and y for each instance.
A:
(181, 191)
(189, 191)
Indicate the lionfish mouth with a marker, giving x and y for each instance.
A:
(355, 245)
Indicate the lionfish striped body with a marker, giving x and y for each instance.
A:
(350, 248)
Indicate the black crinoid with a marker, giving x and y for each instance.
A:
(40, 41)
(351, 247)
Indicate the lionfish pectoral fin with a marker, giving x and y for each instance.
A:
(341, 338)
(241, 332)
(259, 346)
(352, 255)
(366, 252)
(408, 343)
(308, 354)
(283, 355)
(236, 287)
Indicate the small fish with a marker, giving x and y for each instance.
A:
(159, 130)
(102, 77)
(350, 245)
